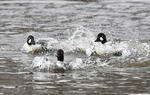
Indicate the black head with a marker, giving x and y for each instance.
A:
(60, 55)
(101, 38)
(30, 40)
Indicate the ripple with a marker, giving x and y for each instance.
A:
(125, 22)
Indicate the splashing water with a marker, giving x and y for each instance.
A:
(78, 42)
(82, 39)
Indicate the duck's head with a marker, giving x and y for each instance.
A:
(101, 38)
(30, 40)
(60, 55)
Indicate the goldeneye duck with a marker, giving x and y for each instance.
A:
(102, 47)
(31, 45)
(59, 66)
(45, 64)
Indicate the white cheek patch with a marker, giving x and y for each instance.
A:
(29, 41)
(101, 39)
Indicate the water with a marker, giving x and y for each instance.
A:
(125, 21)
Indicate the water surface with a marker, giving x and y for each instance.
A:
(123, 20)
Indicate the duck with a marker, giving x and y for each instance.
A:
(45, 64)
(102, 47)
(38, 46)
(60, 65)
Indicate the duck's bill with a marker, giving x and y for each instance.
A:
(96, 40)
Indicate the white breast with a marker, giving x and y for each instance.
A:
(27, 48)
(100, 49)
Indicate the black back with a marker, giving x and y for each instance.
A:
(30, 40)
(101, 38)
(60, 55)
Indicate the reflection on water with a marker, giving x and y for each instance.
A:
(120, 20)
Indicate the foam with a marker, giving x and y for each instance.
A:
(43, 63)
(82, 40)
